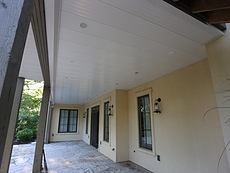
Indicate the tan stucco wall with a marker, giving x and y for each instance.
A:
(103, 147)
(117, 147)
(185, 143)
(219, 60)
(122, 126)
(54, 135)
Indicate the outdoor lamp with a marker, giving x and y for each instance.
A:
(157, 106)
(84, 115)
(109, 111)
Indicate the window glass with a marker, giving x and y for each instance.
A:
(144, 115)
(87, 119)
(106, 121)
(68, 121)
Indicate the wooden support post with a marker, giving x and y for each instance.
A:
(41, 130)
(12, 126)
(15, 20)
(48, 123)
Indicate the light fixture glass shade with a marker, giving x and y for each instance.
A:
(157, 106)
(110, 111)
(84, 115)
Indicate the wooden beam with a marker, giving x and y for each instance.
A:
(12, 127)
(38, 22)
(199, 6)
(41, 130)
(39, 29)
(15, 20)
(185, 7)
(48, 123)
(219, 16)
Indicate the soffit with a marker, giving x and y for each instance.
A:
(121, 38)
(30, 66)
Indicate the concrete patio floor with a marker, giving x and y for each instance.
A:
(69, 157)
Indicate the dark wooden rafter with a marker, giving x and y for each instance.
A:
(38, 22)
(198, 6)
(214, 12)
(184, 6)
(219, 16)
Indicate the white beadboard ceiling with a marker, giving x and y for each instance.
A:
(30, 67)
(122, 37)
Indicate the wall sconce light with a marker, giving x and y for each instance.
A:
(84, 114)
(157, 106)
(110, 110)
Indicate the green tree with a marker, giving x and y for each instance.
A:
(29, 109)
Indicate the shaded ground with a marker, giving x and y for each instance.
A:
(17, 142)
(69, 157)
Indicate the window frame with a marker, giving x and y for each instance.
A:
(77, 121)
(147, 91)
(87, 121)
(106, 117)
(144, 129)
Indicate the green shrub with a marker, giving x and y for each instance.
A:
(25, 135)
(29, 111)
(34, 132)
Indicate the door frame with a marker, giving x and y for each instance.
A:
(92, 133)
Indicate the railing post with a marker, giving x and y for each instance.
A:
(37, 166)
(48, 123)
(12, 126)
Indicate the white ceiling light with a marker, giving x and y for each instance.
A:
(171, 53)
(83, 25)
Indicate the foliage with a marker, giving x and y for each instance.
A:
(29, 110)
(26, 134)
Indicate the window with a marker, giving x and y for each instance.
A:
(145, 134)
(68, 121)
(87, 119)
(106, 121)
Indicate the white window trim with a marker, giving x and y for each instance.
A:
(98, 103)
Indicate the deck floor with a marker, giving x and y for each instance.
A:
(69, 157)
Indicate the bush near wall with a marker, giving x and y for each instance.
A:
(29, 110)
(26, 134)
